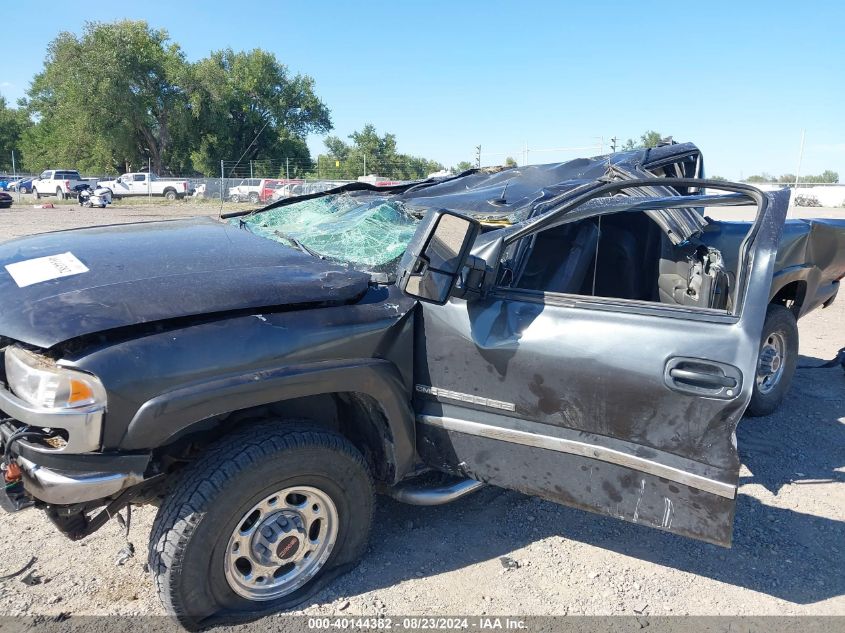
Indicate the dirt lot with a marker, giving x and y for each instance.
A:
(788, 555)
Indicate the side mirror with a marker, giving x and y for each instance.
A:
(436, 255)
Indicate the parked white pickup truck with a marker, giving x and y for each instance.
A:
(144, 184)
(56, 182)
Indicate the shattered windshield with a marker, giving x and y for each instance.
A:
(369, 233)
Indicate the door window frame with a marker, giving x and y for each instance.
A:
(637, 306)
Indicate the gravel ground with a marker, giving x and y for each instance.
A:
(788, 555)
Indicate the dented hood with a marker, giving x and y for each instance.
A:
(155, 271)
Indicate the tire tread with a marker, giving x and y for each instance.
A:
(206, 478)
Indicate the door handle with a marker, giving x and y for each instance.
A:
(702, 378)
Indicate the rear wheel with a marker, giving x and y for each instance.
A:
(776, 361)
(170, 194)
(253, 198)
(261, 522)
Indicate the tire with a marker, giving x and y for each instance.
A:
(36, 194)
(254, 198)
(170, 194)
(775, 370)
(234, 198)
(24, 190)
(193, 534)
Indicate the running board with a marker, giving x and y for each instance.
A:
(420, 495)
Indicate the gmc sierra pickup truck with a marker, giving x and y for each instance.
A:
(582, 331)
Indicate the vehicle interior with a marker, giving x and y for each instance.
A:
(622, 256)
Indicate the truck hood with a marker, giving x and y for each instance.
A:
(155, 271)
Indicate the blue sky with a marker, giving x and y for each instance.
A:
(741, 79)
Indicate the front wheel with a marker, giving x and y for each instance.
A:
(260, 522)
(36, 194)
(776, 362)
(60, 194)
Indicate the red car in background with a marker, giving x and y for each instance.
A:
(269, 186)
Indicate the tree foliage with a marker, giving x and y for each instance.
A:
(510, 162)
(248, 107)
(827, 176)
(648, 139)
(370, 153)
(122, 93)
(463, 166)
(107, 100)
(13, 123)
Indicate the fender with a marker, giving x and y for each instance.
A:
(165, 416)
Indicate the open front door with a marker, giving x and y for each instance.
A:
(622, 405)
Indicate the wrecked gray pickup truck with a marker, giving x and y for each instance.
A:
(581, 332)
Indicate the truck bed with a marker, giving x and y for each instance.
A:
(811, 251)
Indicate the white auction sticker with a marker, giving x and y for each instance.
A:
(34, 271)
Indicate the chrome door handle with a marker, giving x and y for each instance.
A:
(702, 378)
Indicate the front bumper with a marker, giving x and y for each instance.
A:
(61, 479)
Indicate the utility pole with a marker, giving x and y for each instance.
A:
(478, 156)
(250, 169)
(222, 194)
(365, 164)
(287, 168)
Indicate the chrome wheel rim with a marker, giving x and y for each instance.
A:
(281, 543)
(771, 362)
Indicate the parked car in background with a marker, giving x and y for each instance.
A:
(295, 188)
(144, 184)
(269, 186)
(248, 189)
(4, 183)
(23, 185)
(5, 200)
(57, 182)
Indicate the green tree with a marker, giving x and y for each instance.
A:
(510, 162)
(828, 176)
(648, 139)
(108, 100)
(13, 123)
(651, 139)
(247, 106)
(370, 153)
(463, 166)
(764, 177)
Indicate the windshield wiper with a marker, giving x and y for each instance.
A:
(298, 244)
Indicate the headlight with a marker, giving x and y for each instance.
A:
(42, 383)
